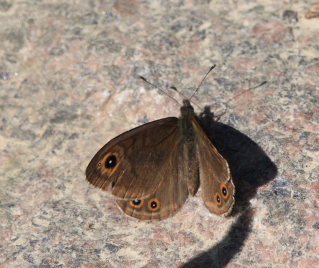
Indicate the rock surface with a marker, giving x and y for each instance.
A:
(69, 83)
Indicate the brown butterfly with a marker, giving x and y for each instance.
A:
(150, 170)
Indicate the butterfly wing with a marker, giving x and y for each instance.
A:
(217, 187)
(131, 166)
(168, 197)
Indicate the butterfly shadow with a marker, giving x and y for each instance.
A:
(250, 168)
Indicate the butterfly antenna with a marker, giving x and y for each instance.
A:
(160, 89)
(180, 93)
(184, 97)
(201, 82)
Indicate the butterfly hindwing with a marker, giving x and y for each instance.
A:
(217, 187)
(168, 197)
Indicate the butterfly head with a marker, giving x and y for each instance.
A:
(187, 109)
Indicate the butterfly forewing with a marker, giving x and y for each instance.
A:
(132, 165)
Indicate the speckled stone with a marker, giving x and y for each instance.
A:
(69, 83)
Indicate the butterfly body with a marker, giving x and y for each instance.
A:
(150, 170)
(189, 150)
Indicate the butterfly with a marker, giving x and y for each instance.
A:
(152, 169)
